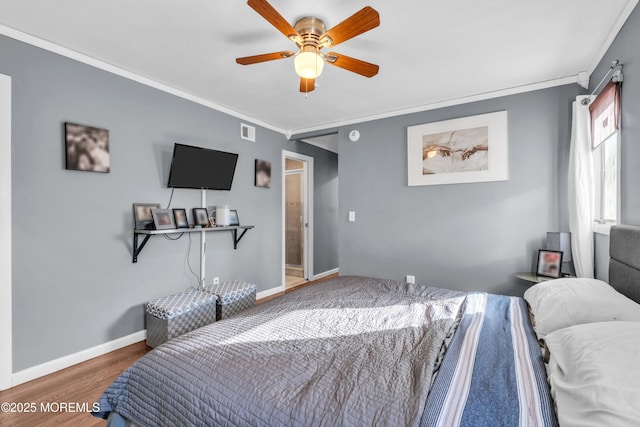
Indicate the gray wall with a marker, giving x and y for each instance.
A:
(460, 236)
(325, 208)
(74, 285)
(475, 236)
(625, 49)
(601, 245)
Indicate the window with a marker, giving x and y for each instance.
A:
(605, 162)
(605, 135)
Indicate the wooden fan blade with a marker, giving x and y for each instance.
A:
(270, 14)
(360, 22)
(307, 85)
(357, 66)
(248, 60)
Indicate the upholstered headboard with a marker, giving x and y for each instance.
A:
(624, 262)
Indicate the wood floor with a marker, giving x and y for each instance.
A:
(293, 281)
(41, 402)
(80, 385)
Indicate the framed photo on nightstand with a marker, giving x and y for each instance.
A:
(549, 263)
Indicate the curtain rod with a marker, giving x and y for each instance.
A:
(616, 69)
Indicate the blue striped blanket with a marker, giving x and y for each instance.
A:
(493, 373)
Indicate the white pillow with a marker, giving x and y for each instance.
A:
(565, 302)
(594, 374)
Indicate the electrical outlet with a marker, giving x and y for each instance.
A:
(352, 216)
(216, 280)
(410, 279)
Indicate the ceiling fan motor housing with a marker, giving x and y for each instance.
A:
(310, 29)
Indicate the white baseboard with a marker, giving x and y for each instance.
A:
(278, 289)
(73, 359)
(325, 274)
(269, 292)
(101, 349)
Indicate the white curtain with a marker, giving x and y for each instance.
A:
(581, 192)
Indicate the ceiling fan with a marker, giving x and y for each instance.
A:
(310, 35)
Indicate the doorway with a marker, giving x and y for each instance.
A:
(297, 218)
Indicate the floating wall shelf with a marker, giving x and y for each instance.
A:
(148, 233)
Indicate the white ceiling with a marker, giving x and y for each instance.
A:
(430, 53)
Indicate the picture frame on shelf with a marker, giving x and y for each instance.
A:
(142, 217)
(549, 263)
(180, 216)
(233, 217)
(163, 219)
(200, 217)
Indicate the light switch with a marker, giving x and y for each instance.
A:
(352, 216)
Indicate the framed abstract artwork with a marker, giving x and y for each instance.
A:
(86, 148)
(263, 174)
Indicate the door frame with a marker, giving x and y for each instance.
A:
(6, 283)
(307, 189)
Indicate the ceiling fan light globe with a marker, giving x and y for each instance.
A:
(308, 65)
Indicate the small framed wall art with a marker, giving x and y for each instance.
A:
(142, 218)
(163, 219)
(86, 148)
(263, 174)
(200, 217)
(549, 263)
(180, 216)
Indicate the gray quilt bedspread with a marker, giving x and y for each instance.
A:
(350, 351)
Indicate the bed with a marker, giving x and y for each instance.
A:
(591, 335)
(357, 351)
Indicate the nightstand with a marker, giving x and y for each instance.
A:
(532, 277)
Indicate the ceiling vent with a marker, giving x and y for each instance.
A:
(247, 132)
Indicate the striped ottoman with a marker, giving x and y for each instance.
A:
(233, 297)
(168, 317)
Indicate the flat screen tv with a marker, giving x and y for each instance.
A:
(202, 168)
